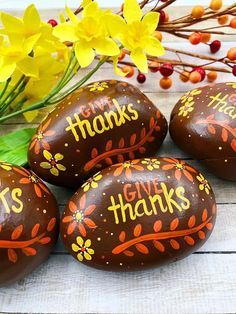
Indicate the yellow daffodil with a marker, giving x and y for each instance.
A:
(136, 33)
(14, 55)
(89, 34)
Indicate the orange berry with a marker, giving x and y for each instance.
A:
(129, 70)
(184, 76)
(158, 35)
(167, 17)
(166, 82)
(231, 54)
(195, 77)
(206, 37)
(216, 5)
(195, 38)
(198, 12)
(233, 22)
(121, 55)
(211, 76)
(154, 66)
(223, 19)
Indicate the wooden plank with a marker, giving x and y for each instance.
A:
(222, 238)
(199, 284)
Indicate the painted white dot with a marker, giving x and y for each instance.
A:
(189, 135)
(103, 193)
(99, 239)
(226, 160)
(44, 211)
(76, 175)
(220, 148)
(107, 263)
(66, 144)
(121, 264)
(112, 233)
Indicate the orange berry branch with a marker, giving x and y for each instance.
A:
(182, 27)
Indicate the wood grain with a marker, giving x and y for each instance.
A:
(199, 284)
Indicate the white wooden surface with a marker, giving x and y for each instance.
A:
(205, 282)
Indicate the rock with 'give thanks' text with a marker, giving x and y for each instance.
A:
(96, 126)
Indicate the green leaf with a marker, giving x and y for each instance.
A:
(14, 146)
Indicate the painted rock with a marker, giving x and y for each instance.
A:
(139, 213)
(28, 222)
(102, 124)
(203, 124)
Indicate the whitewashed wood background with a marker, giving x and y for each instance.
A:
(205, 282)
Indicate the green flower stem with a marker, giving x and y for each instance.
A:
(12, 90)
(77, 85)
(5, 88)
(46, 101)
(14, 95)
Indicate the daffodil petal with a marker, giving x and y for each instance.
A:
(107, 47)
(47, 154)
(117, 70)
(132, 11)
(154, 47)
(28, 67)
(80, 241)
(74, 19)
(31, 18)
(151, 19)
(84, 54)
(30, 115)
(6, 71)
(86, 2)
(140, 60)
(30, 42)
(11, 23)
(90, 9)
(65, 32)
(116, 25)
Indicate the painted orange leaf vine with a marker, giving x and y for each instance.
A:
(139, 241)
(227, 132)
(136, 143)
(15, 245)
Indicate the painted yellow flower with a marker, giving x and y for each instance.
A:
(186, 108)
(98, 86)
(52, 163)
(136, 33)
(83, 249)
(89, 34)
(204, 185)
(189, 95)
(233, 84)
(151, 163)
(92, 182)
(5, 166)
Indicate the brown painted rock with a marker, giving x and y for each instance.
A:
(28, 222)
(139, 213)
(98, 125)
(203, 124)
